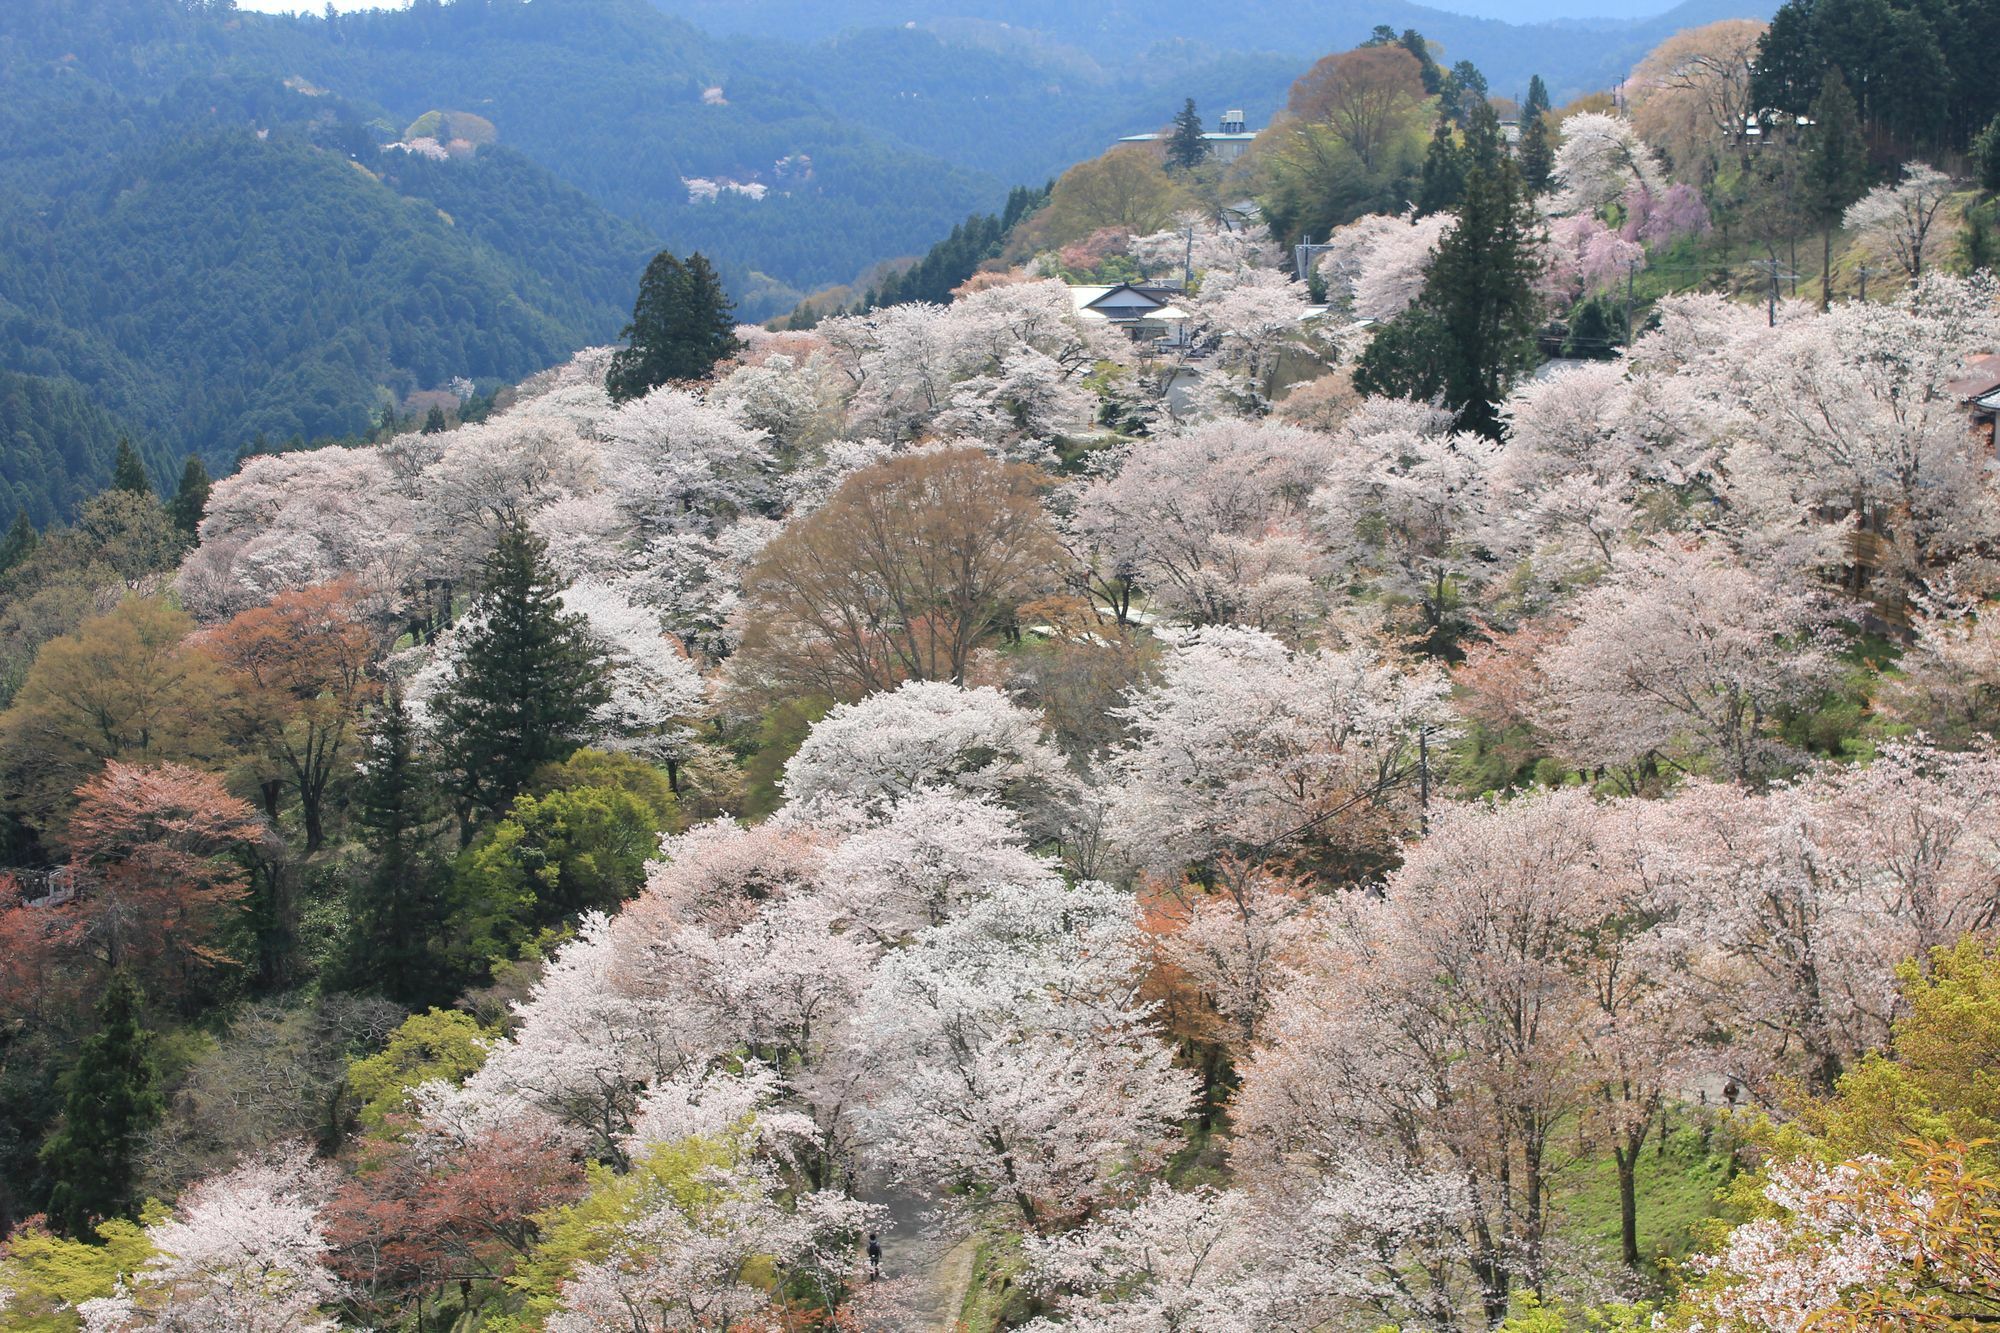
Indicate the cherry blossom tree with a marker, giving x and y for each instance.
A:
(1006, 1050)
(584, 1047)
(1195, 519)
(284, 522)
(1766, 942)
(1900, 222)
(1406, 508)
(655, 692)
(932, 855)
(1601, 157)
(1684, 658)
(1584, 257)
(1848, 422)
(1351, 1247)
(1252, 318)
(1375, 266)
(679, 464)
(1444, 1026)
(1002, 361)
(926, 734)
(794, 400)
(1572, 476)
(1245, 746)
(244, 1252)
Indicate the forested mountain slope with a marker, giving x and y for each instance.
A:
(211, 279)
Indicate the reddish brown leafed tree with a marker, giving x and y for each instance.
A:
(300, 667)
(151, 852)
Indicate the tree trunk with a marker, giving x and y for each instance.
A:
(1627, 1157)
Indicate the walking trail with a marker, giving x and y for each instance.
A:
(926, 1266)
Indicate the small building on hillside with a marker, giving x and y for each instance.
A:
(1978, 389)
(1145, 311)
(1227, 142)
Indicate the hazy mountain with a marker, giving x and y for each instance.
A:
(1586, 53)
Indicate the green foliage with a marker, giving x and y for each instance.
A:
(615, 772)
(1532, 1316)
(56, 445)
(524, 686)
(190, 500)
(1186, 148)
(1316, 182)
(1596, 329)
(19, 543)
(396, 912)
(1537, 155)
(1915, 66)
(128, 473)
(1471, 332)
(109, 1104)
(1536, 104)
(780, 733)
(1940, 1079)
(1443, 183)
(1986, 157)
(441, 1044)
(1676, 1188)
(680, 328)
(676, 1174)
(552, 858)
(46, 1276)
(981, 237)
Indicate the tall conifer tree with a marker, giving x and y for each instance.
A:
(1836, 168)
(396, 912)
(128, 473)
(190, 500)
(1186, 148)
(524, 687)
(109, 1103)
(681, 327)
(1471, 331)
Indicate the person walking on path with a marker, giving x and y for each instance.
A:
(874, 1256)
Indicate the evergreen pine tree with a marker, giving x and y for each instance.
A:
(109, 1104)
(190, 500)
(1538, 155)
(1186, 149)
(1986, 157)
(19, 543)
(1537, 102)
(1427, 65)
(681, 326)
(128, 473)
(1443, 182)
(434, 422)
(1472, 329)
(524, 686)
(395, 912)
(1836, 168)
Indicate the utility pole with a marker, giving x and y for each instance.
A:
(1631, 282)
(1187, 264)
(1864, 283)
(1778, 274)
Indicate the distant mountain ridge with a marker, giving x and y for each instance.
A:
(1593, 51)
(201, 233)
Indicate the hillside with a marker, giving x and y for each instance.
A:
(1589, 54)
(294, 287)
(56, 447)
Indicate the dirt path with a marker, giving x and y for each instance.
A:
(926, 1267)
